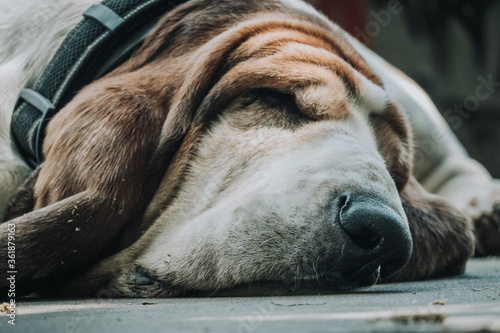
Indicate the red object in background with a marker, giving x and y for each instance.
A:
(351, 15)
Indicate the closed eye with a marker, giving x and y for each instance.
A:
(279, 100)
(373, 117)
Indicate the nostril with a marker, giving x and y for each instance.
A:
(389, 267)
(342, 202)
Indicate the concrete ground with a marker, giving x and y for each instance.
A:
(467, 303)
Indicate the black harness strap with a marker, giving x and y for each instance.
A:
(106, 37)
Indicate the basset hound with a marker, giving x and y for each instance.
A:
(244, 143)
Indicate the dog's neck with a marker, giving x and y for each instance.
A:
(108, 34)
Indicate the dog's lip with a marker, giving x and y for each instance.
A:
(367, 275)
(383, 267)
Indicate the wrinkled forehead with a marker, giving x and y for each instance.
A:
(328, 78)
(298, 57)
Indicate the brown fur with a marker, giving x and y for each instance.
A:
(116, 154)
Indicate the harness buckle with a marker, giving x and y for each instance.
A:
(45, 107)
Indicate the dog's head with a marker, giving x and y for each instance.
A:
(282, 157)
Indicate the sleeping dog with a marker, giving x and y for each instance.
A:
(244, 142)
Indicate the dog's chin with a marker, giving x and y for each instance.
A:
(143, 283)
(306, 287)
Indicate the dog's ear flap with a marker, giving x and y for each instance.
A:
(394, 141)
(443, 238)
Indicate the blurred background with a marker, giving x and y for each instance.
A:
(450, 47)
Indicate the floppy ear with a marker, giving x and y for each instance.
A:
(96, 179)
(106, 152)
(443, 238)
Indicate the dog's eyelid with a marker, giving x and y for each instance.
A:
(279, 99)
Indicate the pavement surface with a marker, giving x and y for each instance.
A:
(466, 303)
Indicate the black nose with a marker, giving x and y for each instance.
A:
(379, 239)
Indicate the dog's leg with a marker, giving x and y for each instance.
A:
(443, 167)
(441, 163)
(13, 170)
(12, 174)
(24, 201)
